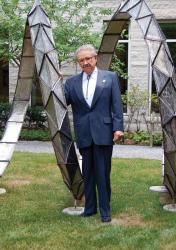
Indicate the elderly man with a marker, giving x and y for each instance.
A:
(98, 122)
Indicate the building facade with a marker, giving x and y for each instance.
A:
(135, 53)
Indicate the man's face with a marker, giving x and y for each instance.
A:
(87, 61)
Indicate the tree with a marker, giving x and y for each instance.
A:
(11, 30)
(72, 21)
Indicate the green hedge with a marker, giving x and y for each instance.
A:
(35, 116)
(33, 134)
(134, 138)
(4, 113)
(143, 138)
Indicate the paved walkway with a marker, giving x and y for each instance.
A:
(122, 151)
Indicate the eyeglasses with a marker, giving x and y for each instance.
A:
(87, 59)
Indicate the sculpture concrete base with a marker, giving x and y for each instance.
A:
(2, 191)
(170, 208)
(159, 189)
(73, 210)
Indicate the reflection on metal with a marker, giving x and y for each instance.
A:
(2, 191)
(158, 189)
(162, 68)
(73, 210)
(170, 208)
(39, 51)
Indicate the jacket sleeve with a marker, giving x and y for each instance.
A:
(117, 108)
(67, 92)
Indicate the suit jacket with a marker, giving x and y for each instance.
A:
(98, 122)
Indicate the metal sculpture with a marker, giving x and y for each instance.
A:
(163, 73)
(39, 52)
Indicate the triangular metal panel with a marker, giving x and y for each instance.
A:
(43, 42)
(34, 32)
(46, 92)
(48, 73)
(134, 12)
(65, 128)
(57, 144)
(169, 143)
(39, 58)
(144, 11)
(38, 16)
(153, 48)
(163, 63)
(169, 183)
(144, 23)
(160, 80)
(59, 92)
(154, 31)
(171, 158)
(128, 5)
(53, 127)
(170, 131)
(168, 97)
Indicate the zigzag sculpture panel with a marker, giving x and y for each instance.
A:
(39, 53)
(163, 72)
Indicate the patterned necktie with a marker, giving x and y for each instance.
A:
(87, 89)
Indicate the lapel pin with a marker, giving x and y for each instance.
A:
(104, 81)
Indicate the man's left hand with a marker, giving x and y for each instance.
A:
(118, 135)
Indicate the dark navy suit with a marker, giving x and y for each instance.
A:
(94, 127)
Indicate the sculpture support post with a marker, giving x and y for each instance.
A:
(75, 210)
(160, 189)
(2, 191)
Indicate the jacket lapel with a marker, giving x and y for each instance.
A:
(101, 80)
(79, 90)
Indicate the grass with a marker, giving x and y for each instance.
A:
(31, 212)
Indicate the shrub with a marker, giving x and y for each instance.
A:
(35, 134)
(4, 113)
(157, 139)
(36, 117)
(143, 138)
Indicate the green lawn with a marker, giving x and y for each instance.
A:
(31, 212)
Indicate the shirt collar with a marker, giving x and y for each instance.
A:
(93, 75)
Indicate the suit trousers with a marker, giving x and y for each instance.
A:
(96, 168)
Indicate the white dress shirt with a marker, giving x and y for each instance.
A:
(89, 86)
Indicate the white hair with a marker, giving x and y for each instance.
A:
(86, 47)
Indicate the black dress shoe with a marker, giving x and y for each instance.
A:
(106, 219)
(87, 215)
